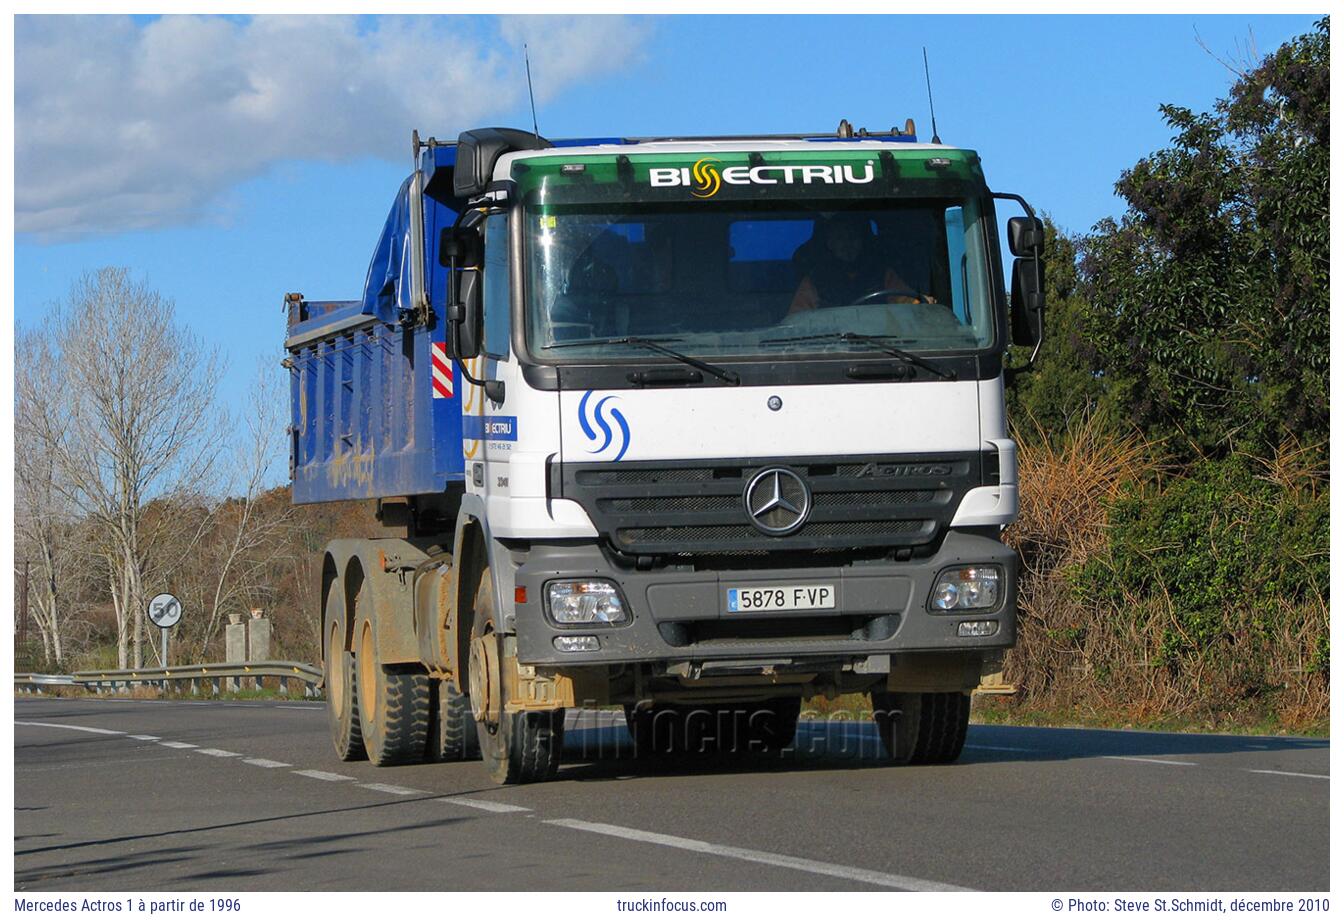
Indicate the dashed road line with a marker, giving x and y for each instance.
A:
(263, 762)
(304, 708)
(145, 737)
(1169, 763)
(323, 775)
(390, 789)
(73, 728)
(485, 805)
(178, 745)
(216, 752)
(1286, 773)
(852, 873)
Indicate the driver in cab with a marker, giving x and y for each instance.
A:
(840, 268)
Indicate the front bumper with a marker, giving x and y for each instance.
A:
(880, 608)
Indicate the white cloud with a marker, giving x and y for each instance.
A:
(122, 126)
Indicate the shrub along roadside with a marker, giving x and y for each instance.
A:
(1198, 600)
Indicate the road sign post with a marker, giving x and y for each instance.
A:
(164, 612)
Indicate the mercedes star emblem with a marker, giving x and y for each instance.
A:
(777, 501)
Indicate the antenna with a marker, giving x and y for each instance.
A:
(528, 64)
(932, 119)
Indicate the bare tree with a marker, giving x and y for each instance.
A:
(247, 531)
(43, 524)
(137, 421)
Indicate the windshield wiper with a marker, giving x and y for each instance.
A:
(723, 374)
(877, 341)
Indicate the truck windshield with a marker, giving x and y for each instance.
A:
(756, 279)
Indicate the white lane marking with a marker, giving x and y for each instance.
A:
(1258, 747)
(263, 762)
(178, 745)
(216, 752)
(391, 790)
(145, 737)
(73, 728)
(301, 707)
(1170, 763)
(853, 873)
(995, 747)
(1286, 773)
(484, 805)
(323, 775)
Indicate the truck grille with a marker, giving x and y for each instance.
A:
(697, 507)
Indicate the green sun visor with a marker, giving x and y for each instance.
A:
(668, 178)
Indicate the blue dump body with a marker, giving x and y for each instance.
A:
(365, 420)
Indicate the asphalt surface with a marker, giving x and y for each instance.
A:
(249, 796)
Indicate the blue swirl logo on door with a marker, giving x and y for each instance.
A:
(601, 419)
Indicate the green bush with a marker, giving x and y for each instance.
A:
(1226, 539)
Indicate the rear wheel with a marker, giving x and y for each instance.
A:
(517, 747)
(339, 681)
(393, 700)
(452, 730)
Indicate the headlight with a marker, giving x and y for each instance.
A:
(573, 603)
(966, 589)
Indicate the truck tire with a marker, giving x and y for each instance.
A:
(393, 700)
(943, 720)
(898, 717)
(771, 725)
(452, 730)
(517, 747)
(339, 682)
(677, 731)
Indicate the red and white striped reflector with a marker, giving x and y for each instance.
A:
(442, 368)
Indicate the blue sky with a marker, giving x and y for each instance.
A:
(225, 180)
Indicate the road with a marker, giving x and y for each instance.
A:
(153, 795)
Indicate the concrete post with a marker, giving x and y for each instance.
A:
(235, 640)
(259, 637)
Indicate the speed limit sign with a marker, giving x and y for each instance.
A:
(164, 611)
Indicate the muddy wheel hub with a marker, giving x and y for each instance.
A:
(484, 680)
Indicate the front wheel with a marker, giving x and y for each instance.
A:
(517, 747)
(919, 728)
(942, 727)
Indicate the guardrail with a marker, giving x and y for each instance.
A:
(217, 678)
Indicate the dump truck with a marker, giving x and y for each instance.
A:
(697, 427)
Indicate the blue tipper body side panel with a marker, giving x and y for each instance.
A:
(364, 420)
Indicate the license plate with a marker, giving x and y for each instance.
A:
(786, 597)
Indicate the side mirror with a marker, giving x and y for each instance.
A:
(465, 316)
(462, 248)
(1026, 236)
(1027, 301)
